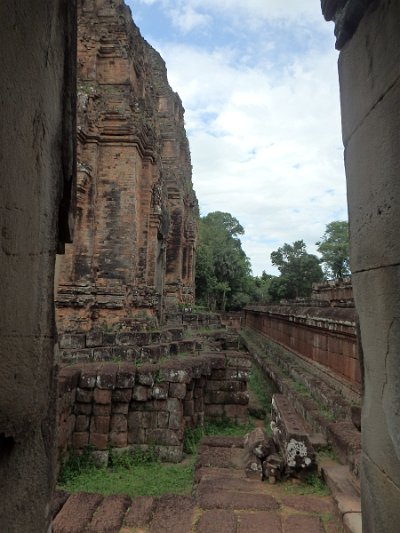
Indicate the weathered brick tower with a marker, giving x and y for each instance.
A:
(135, 226)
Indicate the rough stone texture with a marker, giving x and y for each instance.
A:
(119, 405)
(302, 524)
(36, 166)
(267, 522)
(76, 513)
(217, 521)
(135, 229)
(140, 512)
(370, 90)
(173, 513)
(237, 500)
(109, 515)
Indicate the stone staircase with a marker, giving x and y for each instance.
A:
(223, 500)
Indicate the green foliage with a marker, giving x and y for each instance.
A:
(223, 426)
(261, 387)
(222, 267)
(136, 473)
(298, 271)
(334, 249)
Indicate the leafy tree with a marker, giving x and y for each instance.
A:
(298, 271)
(222, 267)
(334, 249)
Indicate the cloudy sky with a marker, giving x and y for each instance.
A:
(258, 80)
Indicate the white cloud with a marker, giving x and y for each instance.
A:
(263, 122)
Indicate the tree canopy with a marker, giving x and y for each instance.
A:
(334, 249)
(298, 271)
(223, 271)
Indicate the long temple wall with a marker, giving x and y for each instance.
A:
(323, 336)
(136, 220)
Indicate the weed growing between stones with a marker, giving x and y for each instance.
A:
(310, 484)
(261, 387)
(222, 427)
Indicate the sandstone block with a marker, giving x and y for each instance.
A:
(162, 419)
(160, 391)
(94, 339)
(175, 420)
(84, 395)
(166, 437)
(102, 396)
(83, 408)
(88, 377)
(120, 408)
(177, 390)
(141, 393)
(136, 435)
(100, 424)
(102, 410)
(121, 395)
(119, 424)
(102, 354)
(125, 376)
(82, 423)
(80, 440)
(106, 377)
(99, 440)
(188, 408)
(175, 375)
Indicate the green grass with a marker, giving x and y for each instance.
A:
(221, 427)
(134, 473)
(262, 388)
(140, 473)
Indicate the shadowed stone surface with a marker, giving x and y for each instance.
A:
(217, 521)
(309, 504)
(77, 512)
(259, 522)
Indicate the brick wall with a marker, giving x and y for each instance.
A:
(324, 335)
(124, 405)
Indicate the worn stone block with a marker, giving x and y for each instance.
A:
(106, 376)
(88, 377)
(118, 440)
(175, 375)
(120, 408)
(94, 339)
(102, 396)
(125, 376)
(102, 409)
(162, 419)
(83, 408)
(149, 419)
(141, 393)
(145, 377)
(82, 423)
(119, 424)
(136, 435)
(166, 437)
(100, 424)
(177, 390)
(188, 408)
(160, 391)
(121, 395)
(84, 395)
(99, 440)
(80, 440)
(175, 420)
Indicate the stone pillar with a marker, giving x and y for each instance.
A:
(37, 132)
(369, 70)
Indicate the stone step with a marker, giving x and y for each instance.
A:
(345, 494)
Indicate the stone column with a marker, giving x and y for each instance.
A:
(369, 70)
(37, 132)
